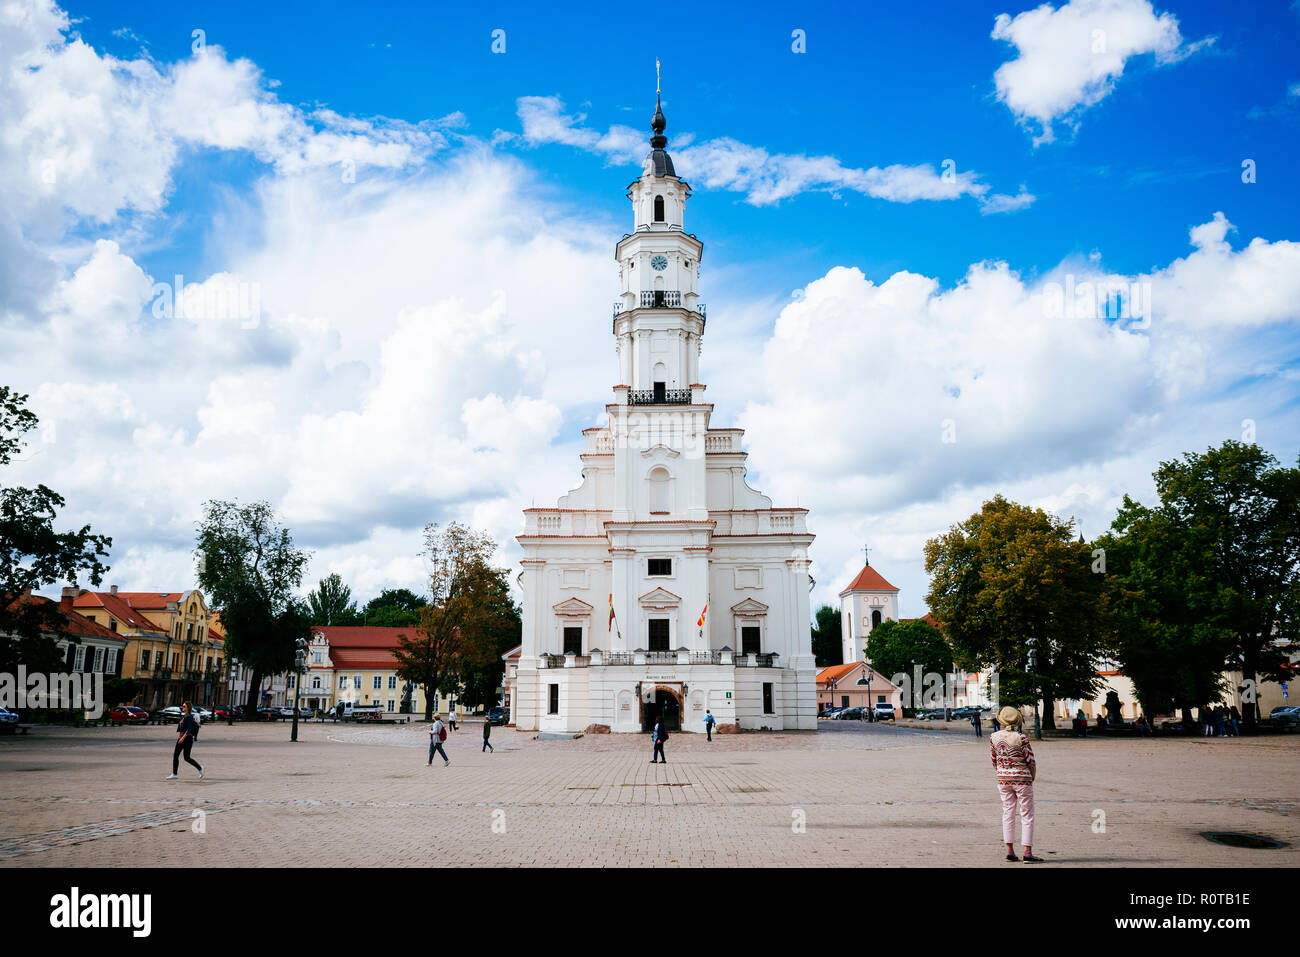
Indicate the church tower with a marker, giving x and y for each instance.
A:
(868, 602)
(659, 320)
(663, 586)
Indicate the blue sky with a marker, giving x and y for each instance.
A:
(432, 333)
(879, 84)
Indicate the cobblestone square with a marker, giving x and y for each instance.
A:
(845, 795)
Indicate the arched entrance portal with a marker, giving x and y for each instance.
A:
(667, 704)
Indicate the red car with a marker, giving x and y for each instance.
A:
(128, 714)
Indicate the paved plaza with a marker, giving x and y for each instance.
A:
(845, 795)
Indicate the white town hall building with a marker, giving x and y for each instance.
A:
(663, 584)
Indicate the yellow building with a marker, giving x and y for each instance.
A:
(356, 664)
(171, 648)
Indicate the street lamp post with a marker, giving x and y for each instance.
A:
(1033, 666)
(300, 665)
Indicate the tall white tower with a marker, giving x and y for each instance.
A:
(658, 319)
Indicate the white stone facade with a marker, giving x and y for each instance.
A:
(662, 526)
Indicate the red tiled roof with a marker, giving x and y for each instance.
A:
(75, 624)
(928, 618)
(116, 607)
(150, 599)
(869, 580)
(833, 673)
(362, 658)
(362, 636)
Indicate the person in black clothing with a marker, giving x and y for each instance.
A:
(487, 732)
(975, 723)
(186, 734)
(660, 736)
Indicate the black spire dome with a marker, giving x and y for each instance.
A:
(659, 162)
(658, 141)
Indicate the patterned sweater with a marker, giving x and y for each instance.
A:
(1013, 758)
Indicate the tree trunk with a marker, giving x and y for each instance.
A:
(1048, 718)
(254, 692)
(1249, 710)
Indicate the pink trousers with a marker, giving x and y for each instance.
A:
(1013, 794)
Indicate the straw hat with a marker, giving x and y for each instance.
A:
(1010, 717)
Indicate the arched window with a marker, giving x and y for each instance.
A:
(875, 619)
(661, 491)
(659, 209)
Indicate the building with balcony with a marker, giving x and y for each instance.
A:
(663, 586)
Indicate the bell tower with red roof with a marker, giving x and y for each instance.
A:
(867, 602)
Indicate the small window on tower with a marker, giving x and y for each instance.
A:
(659, 566)
(659, 209)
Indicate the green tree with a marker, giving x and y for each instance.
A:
(1011, 580)
(250, 568)
(331, 602)
(1236, 511)
(121, 691)
(827, 643)
(899, 646)
(492, 628)
(437, 651)
(33, 554)
(394, 608)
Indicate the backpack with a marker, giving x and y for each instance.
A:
(442, 733)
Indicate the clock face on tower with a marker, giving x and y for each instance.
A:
(659, 263)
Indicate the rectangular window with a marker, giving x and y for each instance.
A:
(79, 662)
(293, 682)
(144, 661)
(343, 682)
(99, 660)
(176, 661)
(658, 634)
(844, 701)
(392, 682)
(767, 698)
(555, 700)
(659, 566)
(378, 683)
(316, 658)
(112, 625)
(392, 705)
(573, 640)
(110, 666)
(356, 682)
(880, 699)
(749, 643)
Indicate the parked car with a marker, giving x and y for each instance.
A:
(1286, 716)
(128, 714)
(963, 714)
(268, 714)
(204, 714)
(224, 711)
(498, 716)
(849, 714)
(883, 711)
(831, 712)
(931, 715)
(171, 714)
(8, 721)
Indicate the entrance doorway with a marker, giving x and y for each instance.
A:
(665, 704)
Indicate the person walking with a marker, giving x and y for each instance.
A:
(660, 736)
(487, 733)
(437, 735)
(187, 732)
(1234, 721)
(1015, 767)
(453, 717)
(709, 722)
(975, 723)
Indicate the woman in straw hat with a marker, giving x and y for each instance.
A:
(1013, 760)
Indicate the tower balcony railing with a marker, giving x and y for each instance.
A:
(659, 397)
(663, 299)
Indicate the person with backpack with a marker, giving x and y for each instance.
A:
(437, 735)
(487, 733)
(660, 735)
(709, 722)
(187, 732)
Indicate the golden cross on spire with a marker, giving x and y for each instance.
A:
(656, 77)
